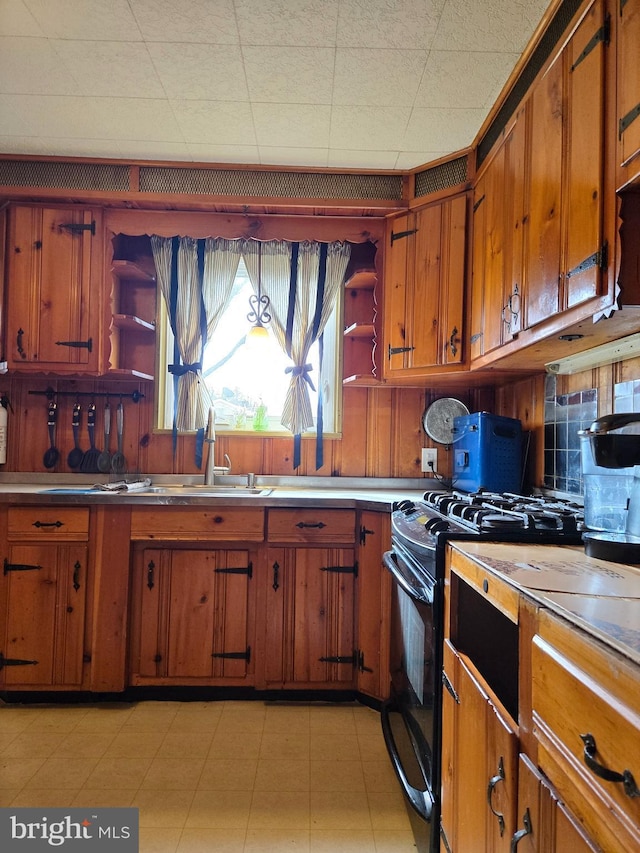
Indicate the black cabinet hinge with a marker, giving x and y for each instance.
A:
(398, 350)
(361, 666)
(399, 235)
(342, 570)
(450, 687)
(18, 567)
(364, 532)
(628, 119)
(15, 662)
(478, 203)
(88, 344)
(246, 655)
(603, 35)
(599, 259)
(79, 227)
(351, 659)
(236, 570)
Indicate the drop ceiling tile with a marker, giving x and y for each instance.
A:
(273, 156)
(358, 159)
(292, 125)
(443, 129)
(137, 118)
(215, 122)
(368, 128)
(63, 116)
(397, 75)
(463, 79)
(200, 72)
(25, 145)
(85, 19)
(16, 20)
(379, 23)
(413, 159)
(107, 148)
(153, 150)
(489, 26)
(296, 75)
(108, 67)
(187, 21)
(31, 66)
(306, 23)
(205, 152)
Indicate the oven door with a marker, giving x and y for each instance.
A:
(411, 716)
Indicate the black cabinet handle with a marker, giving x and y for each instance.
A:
(499, 777)
(318, 524)
(276, 572)
(19, 336)
(39, 524)
(626, 777)
(76, 576)
(520, 834)
(453, 341)
(150, 574)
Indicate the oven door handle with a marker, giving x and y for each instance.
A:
(424, 594)
(420, 800)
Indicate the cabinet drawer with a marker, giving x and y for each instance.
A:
(498, 593)
(196, 525)
(334, 526)
(37, 523)
(580, 688)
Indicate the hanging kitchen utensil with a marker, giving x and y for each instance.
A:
(89, 462)
(52, 454)
(104, 460)
(437, 420)
(74, 459)
(118, 460)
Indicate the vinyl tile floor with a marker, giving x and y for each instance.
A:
(213, 777)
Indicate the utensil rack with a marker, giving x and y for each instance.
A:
(50, 393)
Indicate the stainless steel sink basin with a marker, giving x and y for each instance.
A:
(205, 491)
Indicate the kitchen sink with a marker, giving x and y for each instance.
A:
(205, 491)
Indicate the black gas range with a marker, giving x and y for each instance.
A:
(411, 718)
(421, 528)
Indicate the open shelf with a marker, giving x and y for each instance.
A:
(360, 315)
(133, 319)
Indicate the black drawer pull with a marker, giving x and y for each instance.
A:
(48, 524)
(626, 777)
(318, 524)
(499, 777)
(520, 834)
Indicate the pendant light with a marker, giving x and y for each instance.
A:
(259, 302)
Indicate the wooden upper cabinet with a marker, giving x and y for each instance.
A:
(628, 83)
(424, 289)
(565, 253)
(53, 292)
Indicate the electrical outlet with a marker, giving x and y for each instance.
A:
(429, 459)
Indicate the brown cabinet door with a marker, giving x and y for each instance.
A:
(191, 623)
(479, 775)
(542, 256)
(424, 288)
(544, 824)
(309, 638)
(583, 203)
(53, 311)
(44, 600)
(628, 79)
(373, 593)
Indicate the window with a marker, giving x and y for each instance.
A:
(246, 379)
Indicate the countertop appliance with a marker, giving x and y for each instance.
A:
(487, 453)
(411, 718)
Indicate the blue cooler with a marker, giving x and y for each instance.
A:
(487, 453)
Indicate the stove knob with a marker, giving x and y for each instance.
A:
(436, 524)
(405, 506)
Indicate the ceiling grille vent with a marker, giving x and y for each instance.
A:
(237, 182)
(441, 177)
(543, 51)
(71, 176)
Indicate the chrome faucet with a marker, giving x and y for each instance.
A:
(210, 438)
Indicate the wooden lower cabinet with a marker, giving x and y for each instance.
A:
(308, 630)
(43, 598)
(544, 823)
(479, 770)
(191, 617)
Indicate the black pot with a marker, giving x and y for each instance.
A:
(617, 450)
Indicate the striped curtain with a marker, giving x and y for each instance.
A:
(196, 278)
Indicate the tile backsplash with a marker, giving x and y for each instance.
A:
(564, 415)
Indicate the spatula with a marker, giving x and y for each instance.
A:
(117, 460)
(104, 460)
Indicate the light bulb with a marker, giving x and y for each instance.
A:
(257, 333)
